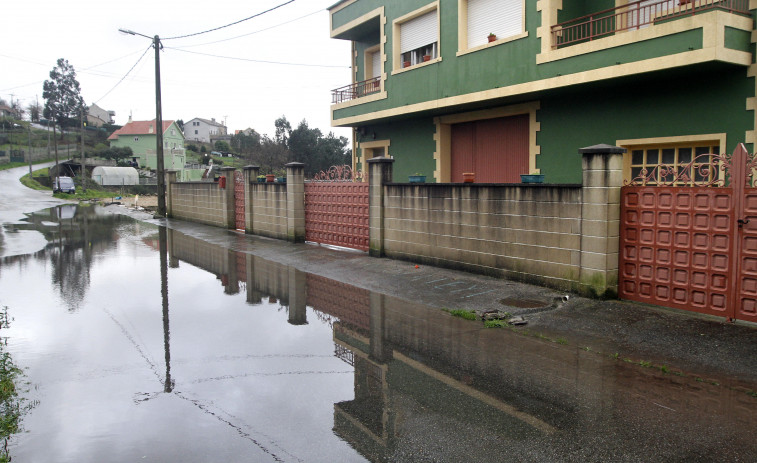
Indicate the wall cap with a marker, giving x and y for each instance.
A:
(602, 148)
(250, 167)
(381, 159)
(294, 164)
(226, 169)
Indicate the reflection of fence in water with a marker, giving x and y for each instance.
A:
(349, 304)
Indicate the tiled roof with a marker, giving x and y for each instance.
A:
(139, 128)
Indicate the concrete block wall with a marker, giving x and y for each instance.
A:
(268, 210)
(203, 202)
(529, 233)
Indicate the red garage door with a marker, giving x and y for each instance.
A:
(496, 150)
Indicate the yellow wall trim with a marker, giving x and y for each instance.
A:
(493, 44)
(630, 144)
(396, 46)
(358, 21)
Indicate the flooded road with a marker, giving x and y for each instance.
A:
(141, 343)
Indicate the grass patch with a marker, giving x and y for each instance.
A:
(562, 341)
(11, 165)
(466, 314)
(12, 406)
(496, 324)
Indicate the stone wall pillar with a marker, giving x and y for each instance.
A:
(600, 219)
(296, 202)
(229, 213)
(250, 175)
(170, 180)
(298, 314)
(379, 173)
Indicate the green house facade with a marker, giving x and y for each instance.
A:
(501, 88)
(141, 137)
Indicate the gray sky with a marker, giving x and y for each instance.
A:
(245, 91)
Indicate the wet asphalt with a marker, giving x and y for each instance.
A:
(696, 344)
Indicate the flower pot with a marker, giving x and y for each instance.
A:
(492, 38)
(281, 179)
(426, 58)
(406, 64)
(532, 178)
(270, 178)
(261, 179)
(469, 177)
(417, 179)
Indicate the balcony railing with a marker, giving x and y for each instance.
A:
(356, 90)
(636, 15)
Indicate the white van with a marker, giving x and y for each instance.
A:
(66, 185)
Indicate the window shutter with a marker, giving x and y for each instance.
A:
(504, 18)
(419, 32)
(376, 64)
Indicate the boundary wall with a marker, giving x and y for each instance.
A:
(562, 236)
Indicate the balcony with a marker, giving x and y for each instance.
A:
(356, 90)
(636, 15)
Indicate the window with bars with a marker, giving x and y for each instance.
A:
(682, 163)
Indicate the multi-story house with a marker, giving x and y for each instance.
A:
(141, 137)
(203, 130)
(508, 87)
(97, 116)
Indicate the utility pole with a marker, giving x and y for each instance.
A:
(30, 150)
(83, 155)
(159, 122)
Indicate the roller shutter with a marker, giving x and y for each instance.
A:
(504, 18)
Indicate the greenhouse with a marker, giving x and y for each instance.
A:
(115, 176)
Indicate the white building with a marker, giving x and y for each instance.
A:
(97, 116)
(203, 130)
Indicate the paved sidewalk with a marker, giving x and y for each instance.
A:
(699, 345)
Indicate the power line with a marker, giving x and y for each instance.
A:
(253, 32)
(124, 77)
(258, 60)
(231, 24)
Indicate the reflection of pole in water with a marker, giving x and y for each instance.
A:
(168, 387)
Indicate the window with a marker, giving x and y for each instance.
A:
(674, 161)
(418, 37)
(503, 18)
(136, 138)
(195, 132)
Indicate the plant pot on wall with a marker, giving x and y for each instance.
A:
(261, 178)
(406, 64)
(532, 178)
(491, 38)
(269, 178)
(426, 58)
(469, 177)
(417, 178)
(281, 179)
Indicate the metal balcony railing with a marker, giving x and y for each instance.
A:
(356, 90)
(636, 15)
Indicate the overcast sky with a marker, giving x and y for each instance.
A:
(249, 90)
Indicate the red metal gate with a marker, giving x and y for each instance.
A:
(239, 199)
(688, 237)
(336, 210)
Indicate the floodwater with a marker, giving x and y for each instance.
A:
(140, 343)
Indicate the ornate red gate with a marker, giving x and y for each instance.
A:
(688, 236)
(239, 199)
(336, 210)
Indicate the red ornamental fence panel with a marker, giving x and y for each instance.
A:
(336, 209)
(239, 200)
(688, 236)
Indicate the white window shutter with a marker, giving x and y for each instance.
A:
(419, 32)
(504, 18)
(376, 64)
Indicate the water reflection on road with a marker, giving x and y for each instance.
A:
(147, 344)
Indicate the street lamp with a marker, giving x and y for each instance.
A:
(159, 123)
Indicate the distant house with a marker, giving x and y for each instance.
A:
(96, 116)
(203, 130)
(5, 111)
(141, 137)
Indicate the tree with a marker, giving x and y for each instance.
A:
(35, 111)
(17, 111)
(62, 94)
(273, 155)
(246, 143)
(180, 123)
(222, 146)
(283, 129)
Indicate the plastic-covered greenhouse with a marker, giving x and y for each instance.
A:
(115, 176)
